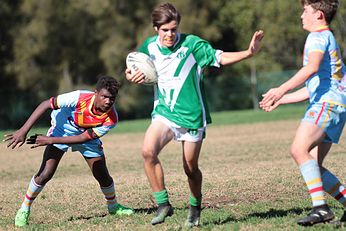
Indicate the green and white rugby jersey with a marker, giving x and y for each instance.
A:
(179, 93)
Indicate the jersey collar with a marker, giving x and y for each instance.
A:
(322, 28)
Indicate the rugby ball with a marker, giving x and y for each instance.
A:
(139, 61)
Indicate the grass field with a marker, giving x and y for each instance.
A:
(250, 181)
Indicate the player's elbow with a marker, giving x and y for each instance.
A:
(312, 69)
(89, 135)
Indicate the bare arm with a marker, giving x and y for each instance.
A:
(45, 140)
(254, 46)
(294, 97)
(298, 79)
(19, 136)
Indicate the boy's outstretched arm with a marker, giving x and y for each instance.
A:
(41, 140)
(294, 97)
(19, 136)
(254, 46)
(274, 94)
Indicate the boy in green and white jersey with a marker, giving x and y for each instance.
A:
(180, 110)
(180, 97)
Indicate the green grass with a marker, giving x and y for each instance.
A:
(250, 181)
(219, 118)
(226, 118)
(254, 116)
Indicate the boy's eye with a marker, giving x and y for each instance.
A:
(166, 30)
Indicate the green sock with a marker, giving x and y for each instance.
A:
(195, 201)
(161, 197)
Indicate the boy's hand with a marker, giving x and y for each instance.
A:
(14, 139)
(38, 140)
(32, 139)
(270, 107)
(271, 97)
(255, 43)
(134, 76)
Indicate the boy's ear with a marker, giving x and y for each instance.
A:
(320, 15)
(156, 29)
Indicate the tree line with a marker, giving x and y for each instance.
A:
(53, 46)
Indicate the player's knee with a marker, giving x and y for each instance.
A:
(191, 171)
(43, 178)
(105, 181)
(103, 178)
(149, 155)
(295, 151)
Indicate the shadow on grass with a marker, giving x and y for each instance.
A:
(86, 217)
(154, 209)
(272, 213)
(137, 211)
(146, 210)
(219, 221)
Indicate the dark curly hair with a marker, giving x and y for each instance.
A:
(109, 83)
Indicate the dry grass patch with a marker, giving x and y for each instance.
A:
(250, 182)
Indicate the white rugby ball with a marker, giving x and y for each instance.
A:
(139, 61)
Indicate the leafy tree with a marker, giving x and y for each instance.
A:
(12, 106)
(54, 46)
(339, 28)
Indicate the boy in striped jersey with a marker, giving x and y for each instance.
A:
(180, 111)
(324, 75)
(79, 119)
